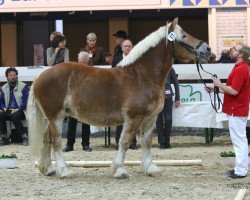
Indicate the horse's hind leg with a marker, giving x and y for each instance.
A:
(45, 164)
(127, 135)
(61, 168)
(146, 141)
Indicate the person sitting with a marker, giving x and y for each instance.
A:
(83, 57)
(13, 102)
(225, 57)
(127, 46)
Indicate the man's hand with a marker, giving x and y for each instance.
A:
(216, 81)
(209, 89)
(177, 104)
(14, 110)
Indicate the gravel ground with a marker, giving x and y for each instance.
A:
(193, 182)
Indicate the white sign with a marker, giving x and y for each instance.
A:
(38, 55)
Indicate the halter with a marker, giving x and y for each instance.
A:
(217, 101)
(192, 49)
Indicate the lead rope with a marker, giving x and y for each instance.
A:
(217, 101)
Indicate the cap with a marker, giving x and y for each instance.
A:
(121, 34)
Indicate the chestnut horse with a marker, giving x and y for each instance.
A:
(131, 94)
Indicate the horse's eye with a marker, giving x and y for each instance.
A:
(184, 36)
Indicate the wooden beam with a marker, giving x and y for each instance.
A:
(89, 164)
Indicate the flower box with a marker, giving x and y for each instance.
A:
(8, 163)
(230, 161)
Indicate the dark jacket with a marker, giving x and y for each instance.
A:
(117, 51)
(224, 59)
(116, 60)
(172, 78)
(98, 58)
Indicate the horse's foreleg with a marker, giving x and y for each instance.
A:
(146, 141)
(127, 135)
(61, 168)
(44, 163)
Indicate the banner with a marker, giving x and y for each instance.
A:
(94, 5)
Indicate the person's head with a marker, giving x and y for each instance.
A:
(11, 74)
(58, 41)
(83, 57)
(127, 46)
(120, 36)
(52, 35)
(225, 53)
(240, 53)
(91, 39)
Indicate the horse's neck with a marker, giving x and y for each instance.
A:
(156, 62)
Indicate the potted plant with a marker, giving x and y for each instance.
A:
(8, 161)
(228, 158)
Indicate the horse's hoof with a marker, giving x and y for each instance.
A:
(121, 173)
(123, 176)
(64, 172)
(153, 171)
(50, 171)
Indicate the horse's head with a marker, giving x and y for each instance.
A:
(187, 48)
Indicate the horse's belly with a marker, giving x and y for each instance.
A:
(101, 119)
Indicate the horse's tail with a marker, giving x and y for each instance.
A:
(37, 125)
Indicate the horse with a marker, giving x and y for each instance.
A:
(131, 94)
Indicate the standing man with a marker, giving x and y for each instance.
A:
(13, 102)
(120, 36)
(236, 106)
(164, 119)
(127, 46)
(83, 58)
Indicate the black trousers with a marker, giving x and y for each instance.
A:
(71, 133)
(118, 135)
(16, 118)
(164, 123)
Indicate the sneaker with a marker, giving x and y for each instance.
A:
(68, 148)
(235, 176)
(25, 141)
(86, 148)
(4, 141)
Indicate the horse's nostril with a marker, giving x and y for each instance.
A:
(208, 49)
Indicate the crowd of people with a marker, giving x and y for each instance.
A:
(14, 95)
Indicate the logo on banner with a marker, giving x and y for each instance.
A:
(188, 94)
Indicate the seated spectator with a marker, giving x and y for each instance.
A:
(83, 57)
(225, 57)
(96, 54)
(13, 101)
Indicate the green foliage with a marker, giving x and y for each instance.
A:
(12, 155)
(227, 154)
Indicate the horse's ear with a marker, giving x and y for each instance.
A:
(175, 22)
